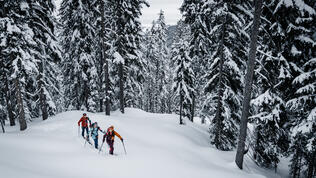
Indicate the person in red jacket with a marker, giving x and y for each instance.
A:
(109, 136)
(85, 122)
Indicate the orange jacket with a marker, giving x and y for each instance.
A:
(110, 135)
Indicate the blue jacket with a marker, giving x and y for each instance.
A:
(94, 132)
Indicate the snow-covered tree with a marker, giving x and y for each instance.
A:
(105, 36)
(157, 65)
(301, 50)
(199, 23)
(283, 52)
(78, 36)
(183, 78)
(17, 50)
(128, 61)
(228, 52)
(163, 63)
(47, 55)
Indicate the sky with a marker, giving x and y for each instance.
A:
(170, 7)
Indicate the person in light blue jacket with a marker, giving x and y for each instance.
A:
(94, 131)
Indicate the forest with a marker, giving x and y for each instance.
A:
(247, 68)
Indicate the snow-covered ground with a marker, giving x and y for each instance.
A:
(157, 147)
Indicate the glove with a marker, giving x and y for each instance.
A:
(122, 139)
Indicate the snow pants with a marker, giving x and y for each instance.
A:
(96, 142)
(85, 129)
(111, 145)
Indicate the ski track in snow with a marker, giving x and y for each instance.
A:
(157, 147)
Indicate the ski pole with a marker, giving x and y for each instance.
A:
(85, 142)
(101, 147)
(124, 147)
(78, 131)
(87, 139)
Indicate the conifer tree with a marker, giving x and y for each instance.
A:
(301, 50)
(283, 54)
(157, 66)
(17, 52)
(199, 44)
(127, 56)
(183, 79)
(79, 55)
(43, 24)
(226, 66)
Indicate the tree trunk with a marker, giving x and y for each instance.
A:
(218, 118)
(9, 98)
(202, 120)
(42, 97)
(77, 93)
(21, 113)
(2, 124)
(106, 67)
(192, 108)
(181, 106)
(101, 97)
(121, 83)
(311, 165)
(107, 89)
(150, 99)
(248, 85)
(86, 95)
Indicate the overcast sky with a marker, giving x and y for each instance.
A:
(170, 7)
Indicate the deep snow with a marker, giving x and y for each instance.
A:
(157, 147)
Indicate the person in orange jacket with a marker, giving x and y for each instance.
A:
(109, 136)
(85, 122)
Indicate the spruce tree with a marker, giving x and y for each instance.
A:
(43, 24)
(157, 65)
(78, 36)
(183, 79)
(17, 49)
(283, 54)
(301, 50)
(199, 44)
(127, 56)
(226, 66)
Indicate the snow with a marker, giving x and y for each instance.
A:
(118, 58)
(302, 6)
(24, 6)
(295, 51)
(157, 147)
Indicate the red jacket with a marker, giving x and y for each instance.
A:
(84, 121)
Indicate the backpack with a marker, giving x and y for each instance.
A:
(109, 135)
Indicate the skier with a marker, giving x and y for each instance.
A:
(84, 124)
(94, 130)
(110, 134)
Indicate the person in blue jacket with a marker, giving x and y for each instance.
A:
(94, 131)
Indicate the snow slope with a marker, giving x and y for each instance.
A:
(157, 147)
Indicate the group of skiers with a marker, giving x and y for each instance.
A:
(93, 130)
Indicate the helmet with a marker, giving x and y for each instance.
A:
(111, 127)
(84, 114)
